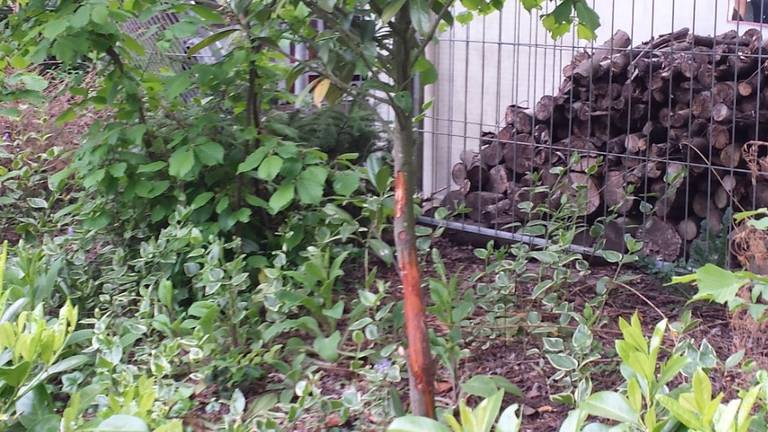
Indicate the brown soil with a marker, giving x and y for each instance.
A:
(511, 356)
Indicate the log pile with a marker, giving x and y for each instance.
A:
(671, 126)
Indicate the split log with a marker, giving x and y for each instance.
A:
(592, 67)
(499, 180)
(520, 154)
(492, 154)
(660, 239)
(615, 194)
(688, 229)
(476, 171)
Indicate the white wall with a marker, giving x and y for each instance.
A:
(507, 57)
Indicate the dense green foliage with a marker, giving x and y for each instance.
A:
(216, 246)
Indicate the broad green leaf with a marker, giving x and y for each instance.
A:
(346, 182)
(181, 162)
(327, 347)
(421, 16)
(37, 203)
(392, 8)
(717, 284)
(382, 250)
(270, 167)
(680, 413)
(416, 424)
(165, 293)
(562, 361)
(201, 200)
(151, 189)
(282, 197)
(311, 183)
(253, 160)
(151, 167)
(100, 14)
(210, 153)
(480, 385)
(210, 40)
(612, 406)
(486, 412)
(15, 375)
(327, 5)
(177, 85)
(509, 421)
(55, 28)
(33, 82)
(122, 423)
(574, 421)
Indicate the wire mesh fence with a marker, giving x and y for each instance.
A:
(655, 130)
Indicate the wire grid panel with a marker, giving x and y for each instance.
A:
(658, 124)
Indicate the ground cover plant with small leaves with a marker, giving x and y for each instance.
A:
(215, 252)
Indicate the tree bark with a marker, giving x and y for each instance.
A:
(420, 363)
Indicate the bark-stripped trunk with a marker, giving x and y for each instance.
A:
(420, 366)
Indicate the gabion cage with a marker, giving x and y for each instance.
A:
(657, 127)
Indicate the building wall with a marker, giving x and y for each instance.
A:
(508, 57)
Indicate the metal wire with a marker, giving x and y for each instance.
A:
(506, 58)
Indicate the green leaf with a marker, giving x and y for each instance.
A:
(611, 256)
(201, 200)
(311, 184)
(177, 86)
(151, 167)
(612, 406)
(530, 5)
(509, 421)
(210, 153)
(346, 182)
(486, 412)
(37, 203)
(480, 385)
(563, 361)
(55, 28)
(327, 348)
(151, 189)
(336, 311)
(33, 82)
(212, 39)
(391, 10)
(165, 293)
(15, 375)
(587, 17)
(117, 170)
(717, 284)
(181, 162)
(68, 363)
(269, 168)
(67, 116)
(282, 197)
(426, 70)
(327, 5)
(404, 101)
(734, 359)
(420, 16)
(132, 44)
(679, 412)
(416, 424)
(382, 250)
(100, 14)
(253, 160)
(122, 423)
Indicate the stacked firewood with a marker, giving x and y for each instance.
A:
(666, 135)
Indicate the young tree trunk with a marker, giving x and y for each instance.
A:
(420, 365)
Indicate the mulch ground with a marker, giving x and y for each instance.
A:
(518, 357)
